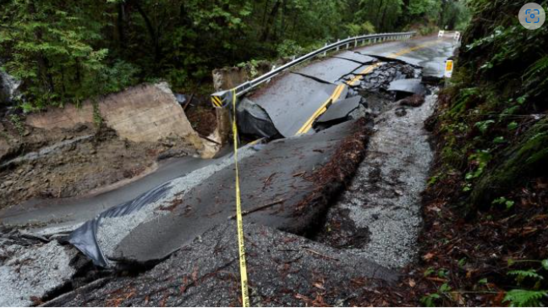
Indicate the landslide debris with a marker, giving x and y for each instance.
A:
(30, 268)
(63, 163)
(284, 270)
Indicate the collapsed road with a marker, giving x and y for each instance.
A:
(309, 239)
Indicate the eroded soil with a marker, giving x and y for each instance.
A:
(63, 163)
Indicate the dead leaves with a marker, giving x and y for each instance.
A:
(428, 256)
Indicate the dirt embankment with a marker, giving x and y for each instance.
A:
(69, 152)
(79, 161)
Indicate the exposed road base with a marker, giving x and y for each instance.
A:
(284, 270)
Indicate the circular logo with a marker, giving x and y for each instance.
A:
(532, 16)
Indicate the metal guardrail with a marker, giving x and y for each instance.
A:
(222, 98)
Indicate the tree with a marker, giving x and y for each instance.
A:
(53, 50)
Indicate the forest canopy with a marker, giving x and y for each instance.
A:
(66, 52)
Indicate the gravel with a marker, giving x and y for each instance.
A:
(384, 196)
(33, 271)
(283, 269)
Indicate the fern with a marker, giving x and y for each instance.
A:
(525, 298)
(521, 275)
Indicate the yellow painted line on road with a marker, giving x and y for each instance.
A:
(308, 124)
(340, 88)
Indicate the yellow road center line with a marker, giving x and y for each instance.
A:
(308, 124)
(340, 88)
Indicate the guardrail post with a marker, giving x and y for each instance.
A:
(348, 44)
(355, 43)
(273, 68)
(338, 46)
(325, 52)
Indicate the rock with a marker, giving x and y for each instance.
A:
(401, 112)
(413, 100)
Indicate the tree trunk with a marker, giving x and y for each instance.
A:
(121, 25)
(270, 21)
(152, 33)
(377, 16)
(384, 17)
(43, 63)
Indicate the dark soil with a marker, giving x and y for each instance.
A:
(201, 116)
(81, 160)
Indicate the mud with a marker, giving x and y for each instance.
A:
(202, 116)
(63, 163)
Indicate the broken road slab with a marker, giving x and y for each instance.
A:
(330, 70)
(30, 269)
(413, 86)
(98, 237)
(284, 270)
(356, 57)
(339, 112)
(254, 121)
(295, 176)
(291, 99)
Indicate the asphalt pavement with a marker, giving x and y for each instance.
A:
(287, 186)
(295, 99)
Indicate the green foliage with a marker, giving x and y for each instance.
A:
(289, 48)
(484, 125)
(54, 49)
(97, 118)
(17, 123)
(430, 300)
(502, 200)
(481, 159)
(67, 53)
(530, 297)
(360, 29)
(522, 275)
(526, 298)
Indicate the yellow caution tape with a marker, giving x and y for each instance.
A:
(239, 220)
(306, 127)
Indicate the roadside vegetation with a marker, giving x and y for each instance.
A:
(486, 237)
(65, 53)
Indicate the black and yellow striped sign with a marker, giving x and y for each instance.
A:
(217, 101)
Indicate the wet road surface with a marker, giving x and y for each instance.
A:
(289, 100)
(293, 101)
(196, 230)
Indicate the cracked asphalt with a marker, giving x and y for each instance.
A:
(334, 239)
